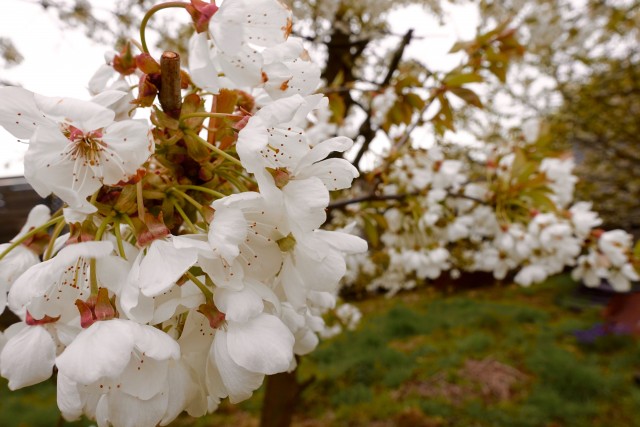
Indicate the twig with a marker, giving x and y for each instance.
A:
(170, 94)
(368, 198)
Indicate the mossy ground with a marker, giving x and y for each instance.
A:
(499, 356)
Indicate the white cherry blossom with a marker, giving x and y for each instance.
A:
(118, 372)
(75, 146)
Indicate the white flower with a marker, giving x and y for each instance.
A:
(51, 288)
(75, 146)
(288, 70)
(243, 352)
(620, 279)
(237, 33)
(118, 372)
(274, 138)
(590, 269)
(584, 219)
(531, 274)
(559, 172)
(615, 244)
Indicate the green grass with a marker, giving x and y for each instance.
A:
(392, 371)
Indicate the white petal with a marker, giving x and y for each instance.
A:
(227, 231)
(238, 381)
(38, 215)
(68, 398)
(262, 344)
(85, 115)
(128, 411)
(108, 97)
(344, 242)
(305, 201)
(201, 68)
(99, 80)
(144, 377)
(323, 149)
(162, 266)
(238, 305)
(28, 357)
(292, 283)
(335, 173)
(102, 350)
(19, 113)
(131, 146)
(155, 343)
(181, 391)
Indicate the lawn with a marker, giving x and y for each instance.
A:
(499, 356)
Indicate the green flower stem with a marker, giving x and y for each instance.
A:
(129, 222)
(184, 216)
(213, 147)
(116, 229)
(140, 201)
(186, 197)
(203, 288)
(233, 180)
(93, 275)
(30, 234)
(201, 189)
(150, 13)
(52, 241)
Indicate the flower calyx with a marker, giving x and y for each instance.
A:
(125, 63)
(151, 229)
(281, 176)
(201, 13)
(29, 320)
(97, 307)
(82, 232)
(216, 318)
(38, 242)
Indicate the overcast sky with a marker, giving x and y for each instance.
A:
(60, 63)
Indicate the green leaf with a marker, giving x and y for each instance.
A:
(337, 107)
(371, 231)
(415, 101)
(458, 46)
(462, 78)
(467, 95)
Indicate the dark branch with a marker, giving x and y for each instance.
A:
(365, 128)
(368, 198)
(340, 204)
(397, 57)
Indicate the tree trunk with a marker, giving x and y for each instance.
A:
(280, 399)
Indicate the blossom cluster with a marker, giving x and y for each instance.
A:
(514, 215)
(177, 274)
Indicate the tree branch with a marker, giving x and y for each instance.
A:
(368, 198)
(377, 198)
(365, 128)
